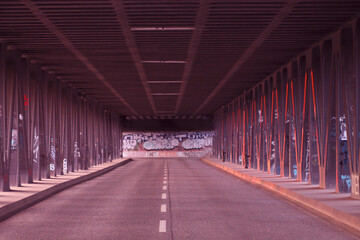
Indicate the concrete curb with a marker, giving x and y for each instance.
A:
(17, 206)
(335, 214)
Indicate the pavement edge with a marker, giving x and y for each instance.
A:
(335, 214)
(18, 206)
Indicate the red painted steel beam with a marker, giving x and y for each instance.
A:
(67, 43)
(121, 16)
(284, 12)
(199, 26)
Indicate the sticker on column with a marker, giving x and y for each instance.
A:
(355, 185)
(52, 158)
(65, 165)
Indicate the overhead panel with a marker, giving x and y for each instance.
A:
(158, 57)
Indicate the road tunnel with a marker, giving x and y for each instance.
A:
(268, 91)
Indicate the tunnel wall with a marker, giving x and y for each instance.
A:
(47, 127)
(303, 121)
(167, 144)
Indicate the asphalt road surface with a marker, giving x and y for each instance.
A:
(181, 199)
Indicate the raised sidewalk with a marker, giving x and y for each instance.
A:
(339, 207)
(27, 195)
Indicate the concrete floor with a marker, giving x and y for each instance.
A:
(167, 199)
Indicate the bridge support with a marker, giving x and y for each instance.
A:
(47, 127)
(303, 121)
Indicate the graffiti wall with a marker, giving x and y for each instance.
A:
(182, 144)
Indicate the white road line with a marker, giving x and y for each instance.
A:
(163, 207)
(165, 182)
(163, 196)
(162, 226)
(164, 187)
(165, 178)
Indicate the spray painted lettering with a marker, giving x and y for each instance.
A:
(36, 146)
(167, 141)
(26, 101)
(65, 165)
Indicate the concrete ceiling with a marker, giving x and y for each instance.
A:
(146, 58)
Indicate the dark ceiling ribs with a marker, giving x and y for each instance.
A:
(163, 59)
(121, 15)
(74, 50)
(199, 25)
(250, 50)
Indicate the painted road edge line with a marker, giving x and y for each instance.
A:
(162, 226)
(163, 207)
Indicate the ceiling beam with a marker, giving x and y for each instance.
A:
(284, 12)
(195, 39)
(67, 43)
(121, 16)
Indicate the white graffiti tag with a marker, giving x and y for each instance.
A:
(160, 144)
(167, 141)
(197, 143)
(343, 133)
(36, 146)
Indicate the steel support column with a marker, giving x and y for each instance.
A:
(303, 121)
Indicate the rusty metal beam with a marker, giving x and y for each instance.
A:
(191, 54)
(121, 15)
(66, 42)
(284, 12)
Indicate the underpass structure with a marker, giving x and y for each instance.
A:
(271, 86)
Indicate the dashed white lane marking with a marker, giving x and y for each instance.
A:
(164, 187)
(165, 178)
(163, 196)
(163, 207)
(165, 182)
(162, 226)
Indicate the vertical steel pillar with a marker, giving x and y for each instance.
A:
(6, 122)
(349, 86)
